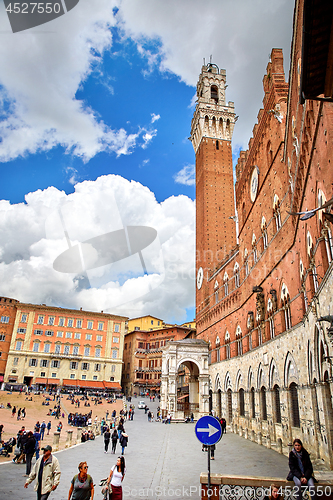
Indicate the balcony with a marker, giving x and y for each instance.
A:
(156, 369)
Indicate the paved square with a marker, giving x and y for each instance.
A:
(162, 462)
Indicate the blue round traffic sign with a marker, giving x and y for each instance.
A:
(208, 430)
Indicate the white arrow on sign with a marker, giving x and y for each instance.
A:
(211, 430)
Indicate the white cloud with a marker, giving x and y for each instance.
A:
(239, 35)
(148, 137)
(154, 117)
(32, 237)
(74, 175)
(186, 176)
(41, 71)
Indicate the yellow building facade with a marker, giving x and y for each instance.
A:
(54, 347)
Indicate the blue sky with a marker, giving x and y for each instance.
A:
(96, 111)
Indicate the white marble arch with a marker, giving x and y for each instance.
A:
(193, 353)
(239, 381)
(290, 371)
(250, 379)
(227, 382)
(261, 378)
(217, 385)
(274, 378)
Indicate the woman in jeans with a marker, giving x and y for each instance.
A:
(301, 470)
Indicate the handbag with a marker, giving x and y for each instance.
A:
(105, 487)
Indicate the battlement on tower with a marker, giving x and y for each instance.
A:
(213, 118)
(270, 124)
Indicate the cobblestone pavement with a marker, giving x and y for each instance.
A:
(162, 461)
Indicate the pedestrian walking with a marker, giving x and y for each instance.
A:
(223, 425)
(47, 473)
(106, 439)
(42, 430)
(120, 429)
(29, 450)
(114, 439)
(116, 477)
(13, 411)
(59, 427)
(19, 414)
(123, 441)
(1, 430)
(23, 413)
(48, 427)
(82, 484)
(37, 447)
(24, 438)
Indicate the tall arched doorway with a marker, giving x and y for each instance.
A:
(295, 420)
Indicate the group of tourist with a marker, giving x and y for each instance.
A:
(79, 420)
(46, 472)
(87, 436)
(21, 413)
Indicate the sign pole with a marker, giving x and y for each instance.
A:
(209, 432)
(208, 492)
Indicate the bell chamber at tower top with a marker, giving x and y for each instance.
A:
(212, 118)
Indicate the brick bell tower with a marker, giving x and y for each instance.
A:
(211, 132)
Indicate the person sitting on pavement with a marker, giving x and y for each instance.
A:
(301, 470)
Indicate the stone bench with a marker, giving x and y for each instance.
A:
(224, 487)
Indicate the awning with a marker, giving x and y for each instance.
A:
(70, 382)
(95, 384)
(54, 381)
(112, 385)
(183, 397)
(41, 380)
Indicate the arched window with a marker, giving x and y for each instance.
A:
(254, 249)
(305, 296)
(206, 126)
(276, 212)
(259, 335)
(214, 93)
(216, 292)
(263, 404)
(228, 128)
(270, 314)
(236, 275)
(310, 251)
(217, 344)
(325, 228)
(241, 403)
(246, 261)
(295, 420)
(227, 345)
(276, 404)
(252, 403)
(285, 300)
(264, 233)
(239, 341)
(226, 284)
(214, 126)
